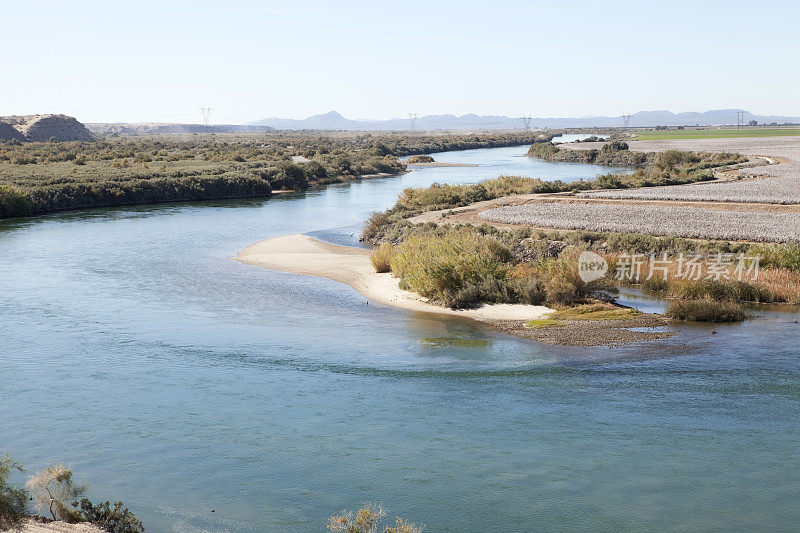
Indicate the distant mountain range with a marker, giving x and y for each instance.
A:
(335, 121)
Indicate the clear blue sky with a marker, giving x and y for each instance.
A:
(161, 61)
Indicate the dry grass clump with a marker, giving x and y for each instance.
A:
(381, 257)
(682, 221)
(368, 520)
(705, 311)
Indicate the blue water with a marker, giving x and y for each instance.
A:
(183, 382)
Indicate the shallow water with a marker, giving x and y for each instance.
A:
(180, 381)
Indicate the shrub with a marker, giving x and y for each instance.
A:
(381, 257)
(117, 519)
(12, 499)
(53, 490)
(14, 203)
(453, 268)
(368, 520)
(420, 159)
(705, 311)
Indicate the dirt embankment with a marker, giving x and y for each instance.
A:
(45, 128)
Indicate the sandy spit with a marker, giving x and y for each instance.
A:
(301, 254)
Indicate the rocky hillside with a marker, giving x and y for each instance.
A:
(44, 128)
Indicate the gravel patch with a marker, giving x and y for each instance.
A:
(783, 188)
(681, 221)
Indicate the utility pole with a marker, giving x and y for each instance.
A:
(740, 119)
(206, 111)
(413, 118)
(526, 121)
(626, 120)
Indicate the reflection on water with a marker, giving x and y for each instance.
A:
(180, 381)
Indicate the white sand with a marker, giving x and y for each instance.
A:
(34, 526)
(301, 254)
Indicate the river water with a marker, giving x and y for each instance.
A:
(182, 382)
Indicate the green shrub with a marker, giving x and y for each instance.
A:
(14, 203)
(117, 519)
(419, 159)
(457, 269)
(705, 311)
(12, 499)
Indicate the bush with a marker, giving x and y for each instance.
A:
(12, 499)
(420, 159)
(368, 519)
(720, 291)
(381, 257)
(14, 203)
(53, 490)
(453, 268)
(117, 519)
(705, 311)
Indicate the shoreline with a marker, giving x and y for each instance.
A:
(301, 254)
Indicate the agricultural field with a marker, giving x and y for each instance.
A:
(780, 183)
(714, 133)
(678, 220)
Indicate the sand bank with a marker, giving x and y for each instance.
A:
(301, 254)
(34, 525)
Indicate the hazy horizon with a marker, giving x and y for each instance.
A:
(162, 62)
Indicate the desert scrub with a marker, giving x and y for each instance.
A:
(705, 311)
(458, 269)
(381, 257)
(41, 177)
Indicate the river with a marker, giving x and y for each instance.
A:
(210, 395)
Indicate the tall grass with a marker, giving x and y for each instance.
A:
(381, 257)
(459, 269)
(705, 311)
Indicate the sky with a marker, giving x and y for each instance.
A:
(161, 61)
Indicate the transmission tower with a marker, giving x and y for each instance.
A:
(413, 118)
(626, 119)
(526, 121)
(740, 119)
(206, 111)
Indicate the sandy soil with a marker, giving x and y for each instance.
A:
(36, 526)
(300, 254)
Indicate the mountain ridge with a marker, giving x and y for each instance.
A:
(334, 120)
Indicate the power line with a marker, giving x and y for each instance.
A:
(740, 119)
(206, 111)
(413, 118)
(626, 120)
(526, 121)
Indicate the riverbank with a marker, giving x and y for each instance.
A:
(301, 254)
(39, 525)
